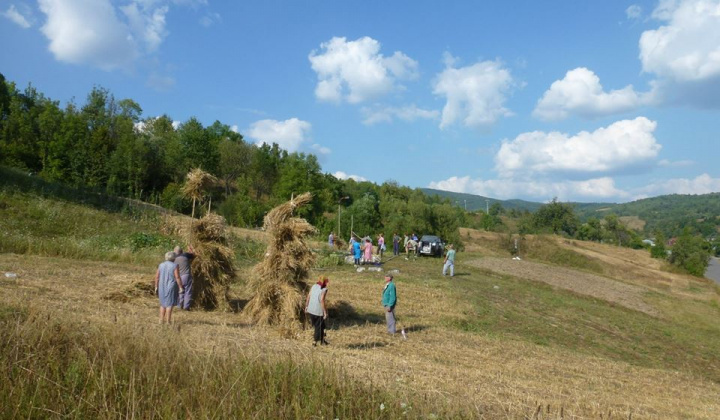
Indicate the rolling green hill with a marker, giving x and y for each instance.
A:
(667, 213)
(477, 202)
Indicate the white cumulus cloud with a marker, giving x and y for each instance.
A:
(386, 114)
(342, 175)
(103, 35)
(684, 53)
(622, 145)
(14, 15)
(475, 95)
(88, 32)
(289, 134)
(581, 93)
(687, 48)
(702, 184)
(356, 71)
(591, 189)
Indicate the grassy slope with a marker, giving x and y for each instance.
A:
(480, 309)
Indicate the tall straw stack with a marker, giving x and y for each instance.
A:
(213, 268)
(278, 281)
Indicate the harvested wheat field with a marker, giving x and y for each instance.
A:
(579, 282)
(487, 343)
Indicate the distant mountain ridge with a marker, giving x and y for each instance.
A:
(668, 213)
(473, 202)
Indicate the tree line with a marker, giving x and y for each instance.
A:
(105, 144)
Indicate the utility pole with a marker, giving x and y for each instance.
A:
(465, 204)
(487, 207)
(340, 201)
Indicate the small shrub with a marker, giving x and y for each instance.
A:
(140, 240)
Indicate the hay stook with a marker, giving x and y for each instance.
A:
(278, 281)
(197, 183)
(213, 268)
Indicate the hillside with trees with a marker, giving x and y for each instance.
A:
(106, 145)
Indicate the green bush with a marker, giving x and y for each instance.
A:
(692, 254)
(140, 240)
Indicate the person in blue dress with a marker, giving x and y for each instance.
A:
(357, 250)
(168, 286)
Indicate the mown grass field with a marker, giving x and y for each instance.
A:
(482, 344)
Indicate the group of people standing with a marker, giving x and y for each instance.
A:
(173, 282)
(362, 249)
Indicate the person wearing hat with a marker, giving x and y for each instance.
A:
(315, 307)
(389, 299)
(449, 261)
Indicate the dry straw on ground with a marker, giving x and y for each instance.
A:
(213, 267)
(278, 281)
(135, 290)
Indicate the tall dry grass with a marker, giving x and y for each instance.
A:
(52, 366)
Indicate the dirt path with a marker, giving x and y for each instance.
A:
(579, 282)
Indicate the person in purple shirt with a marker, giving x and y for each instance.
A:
(183, 261)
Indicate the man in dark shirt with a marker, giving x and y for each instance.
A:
(183, 261)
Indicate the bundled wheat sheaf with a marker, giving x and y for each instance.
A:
(197, 182)
(213, 268)
(278, 281)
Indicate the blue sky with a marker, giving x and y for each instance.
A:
(584, 101)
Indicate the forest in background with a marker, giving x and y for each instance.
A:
(104, 144)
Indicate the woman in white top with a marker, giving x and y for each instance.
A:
(315, 307)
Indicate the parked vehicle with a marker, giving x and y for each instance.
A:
(431, 245)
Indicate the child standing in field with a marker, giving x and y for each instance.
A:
(381, 245)
(449, 261)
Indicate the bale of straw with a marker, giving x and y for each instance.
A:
(213, 268)
(278, 281)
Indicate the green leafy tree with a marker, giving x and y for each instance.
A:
(5, 89)
(198, 146)
(691, 253)
(591, 230)
(19, 138)
(364, 215)
(265, 167)
(235, 159)
(556, 217)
